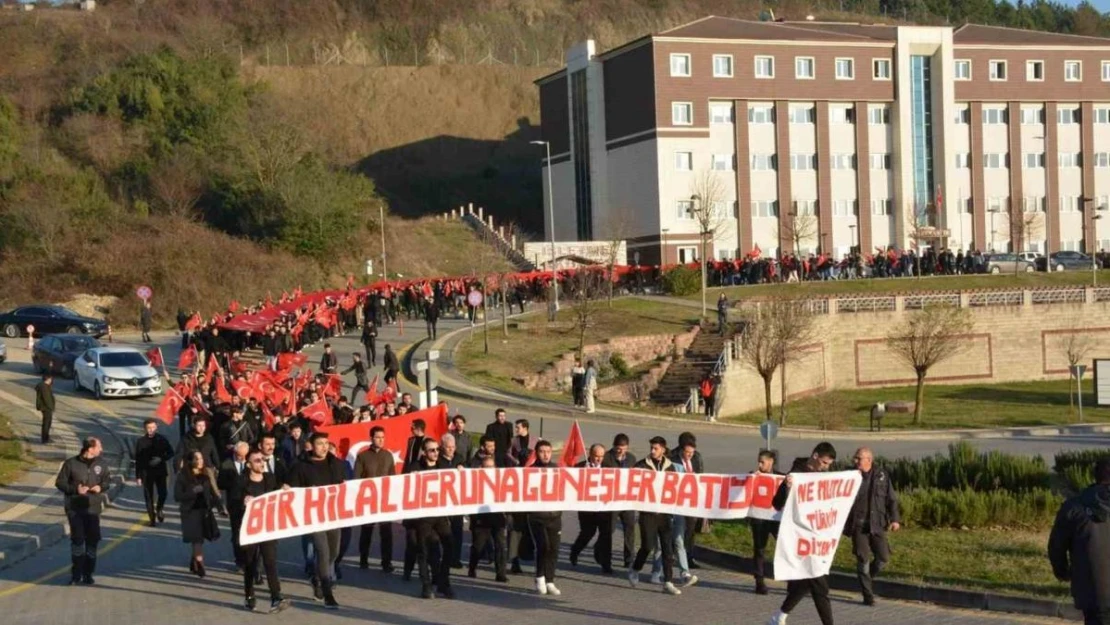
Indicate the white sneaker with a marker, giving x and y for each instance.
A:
(779, 618)
(670, 589)
(552, 589)
(541, 585)
(689, 581)
(633, 577)
(657, 578)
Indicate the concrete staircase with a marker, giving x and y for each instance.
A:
(674, 389)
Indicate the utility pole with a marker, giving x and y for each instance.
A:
(381, 225)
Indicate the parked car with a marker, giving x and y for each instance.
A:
(3, 352)
(1030, 256)
(116, 372)
(55, 353)
(1005, 263)
(1062, 260)
(49, 319)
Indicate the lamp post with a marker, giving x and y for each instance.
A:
(554, 308)
(663, 255)
(993, 211)
(1047, 195)
(381, 224)
(703, 223)
(1094, 239)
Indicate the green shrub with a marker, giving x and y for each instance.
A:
(619, 365)
(966, 468)
(682, 281)
(934, 508)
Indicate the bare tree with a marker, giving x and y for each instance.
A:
(585, 290)
(795, 327)
(178, 183)
(1075, 345)
(617, 228)
(926, 338)
(918, 228)
(801, 228)
(712, 218)
(773, 333)
(1024, 226)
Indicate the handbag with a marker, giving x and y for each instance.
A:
(211, 527)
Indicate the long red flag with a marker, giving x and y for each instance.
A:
(319, 413)
(574, 447)
(170, 404)
(188, 358)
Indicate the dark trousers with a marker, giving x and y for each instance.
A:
(690, 535)
(600, 523)
(762, 531)
(325, 546)
(545, 535)
(864, 547)
(236, 513)
(480, 535)
(385, 537)
(431, 329)
(434, 564)
(628, 527)
(47, 419)
(266, 553)
(364, 386)
(371, 354)
(345, 535)
(152, 482)
(1096, 617)
(818, 587)
(456, 523)
(84, 536)
(655, 529)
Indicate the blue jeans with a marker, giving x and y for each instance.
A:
(678, 530)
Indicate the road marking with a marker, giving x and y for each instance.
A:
(41, 494)
(62, 570)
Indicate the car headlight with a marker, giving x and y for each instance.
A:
(111, 380)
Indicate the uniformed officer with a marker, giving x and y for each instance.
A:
(84, 481)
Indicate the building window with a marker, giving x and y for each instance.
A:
(1032, 204)
(1102, 116)
(880, 161)
(680, 65)
(963, 115)
(762, 114)
(880, 69)
(1106, 71)
(722, 66)
(1073, 71)
(993, 116)
(962, 69)
(682, 113)
(684, 161)
(765, 208)
(1071, 159)
(994, 160)
(1030, 117)
(764, 67)
(1034, 70)
(845, 69)
(881, 207)
(1034, 160)
(720, 113)
(1104, 203)
(997, 70)
(764, 162)
(842, 115)
(1102, 159)
(805, 207)
(1069, 204)
(722, 162)
(963, 160)
(804, 67)
(803, 162)
(878, 115)
(1067, 116)
(685, 209)
(994, 204)
(719, 210)
(802, 115)
(844, 208)
(843, 161)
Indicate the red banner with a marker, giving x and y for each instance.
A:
(352, 438)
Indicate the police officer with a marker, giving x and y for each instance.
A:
(84, 481)
(875, 509)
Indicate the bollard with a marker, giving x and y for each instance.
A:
(30, 337)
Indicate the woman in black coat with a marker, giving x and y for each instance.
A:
(195, 491)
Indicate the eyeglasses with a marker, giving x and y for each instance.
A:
(432, 450)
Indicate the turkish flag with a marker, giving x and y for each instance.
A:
(222, 394)
(269, 300)
(352, 438)
(390, 392)
(194, 322)
(243, 389)
(155, 357)
(170, 404)
(372, 394)
(325, 316)
(267, 416)
(199, 405)
(188, 358)
(574, 447)
(288, 360)
(233, 307)
(350, 280)
(212, 367)
(319, 413)
(334, 385)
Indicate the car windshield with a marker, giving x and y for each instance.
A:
(63, 312)
(79, 344)
(122, 359)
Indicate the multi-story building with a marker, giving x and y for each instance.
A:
(822, 136)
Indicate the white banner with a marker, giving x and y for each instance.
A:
(812, 523)
(452, 492)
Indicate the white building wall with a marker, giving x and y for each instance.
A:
(1102, 185)
(881, 141)
(722, 142)
(675, 185)
(960, 220)
(1033, 179)
(764, 184)
(843, 183)
(996, 181)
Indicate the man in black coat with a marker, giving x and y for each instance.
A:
(329, 362)
(501, 431)
(590, 523)
(321, 468)
(620, 458)
(391, 363)
(146, 320)
(228, 479)
(198, 440)
(875, 509)
(427, 531)
(152, 458)
(44, 403)
(431, 316)
(273, 462)
(370, 342)
(1079, 547)
(762, 530)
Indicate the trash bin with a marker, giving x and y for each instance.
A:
(878, 411)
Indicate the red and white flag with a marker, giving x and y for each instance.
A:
(170, 404)
(319, 413)
(188, 358)
(574, 448)
(154, 355)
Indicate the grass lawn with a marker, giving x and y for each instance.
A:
(883, 286)
(12, 459)
(1005, 561)
(530, 349)
(1011, 404)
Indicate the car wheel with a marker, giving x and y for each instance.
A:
(1059, 267)
(35, 366)
(96, 391)
(995, 269)
(76, 383)
(1029, 269)
(68, 372)
(11, 331)
(73, 330)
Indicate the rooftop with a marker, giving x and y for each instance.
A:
(977, 34)
(714, 27)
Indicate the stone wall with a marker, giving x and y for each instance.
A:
(636, 391)
(1007, 343)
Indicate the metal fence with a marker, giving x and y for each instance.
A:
(974, 299)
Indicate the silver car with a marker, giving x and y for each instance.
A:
(115, 372)
(1006, 263)
(3, 352)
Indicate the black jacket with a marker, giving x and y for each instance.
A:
(883, 507)
(609, 461)
(695, 462)
(1079, 547)
(152, 456)
(204, 444)
(390, 361)
(78, 471)
(311, 472)
(228, 481)
(187, 488)
(44, 397)
(502, 435)
(329, 363)
(545, 515)
(359, 368)
(414, 446)
(801, 465)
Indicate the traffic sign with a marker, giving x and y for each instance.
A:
(768, 430)
(144, 292)
(421, 365)
(474, 298)
(1077, 371)
(433, 354)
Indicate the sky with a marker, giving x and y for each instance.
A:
(1101, 5)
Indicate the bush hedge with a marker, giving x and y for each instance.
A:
(1077, 467)
(935, 508)
(965, 468)
(682, 281)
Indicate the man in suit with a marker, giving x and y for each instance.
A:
(228, 479)
(153, 453)
(590, 523)
(620, 458)
(274, 463)
(44, 403)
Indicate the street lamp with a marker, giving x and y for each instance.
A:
(703, 230)
(1047, 195)
(663, 256)
(551, 216)
(1094, 241)
(993, 211)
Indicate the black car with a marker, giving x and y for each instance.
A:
(1066, 259)
(49, 319)
(55, 353)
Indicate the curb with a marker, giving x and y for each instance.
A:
(948, 597)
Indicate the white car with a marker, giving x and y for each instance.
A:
(3, 352)
(115, 372)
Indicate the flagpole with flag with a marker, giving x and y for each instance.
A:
(574, 447)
